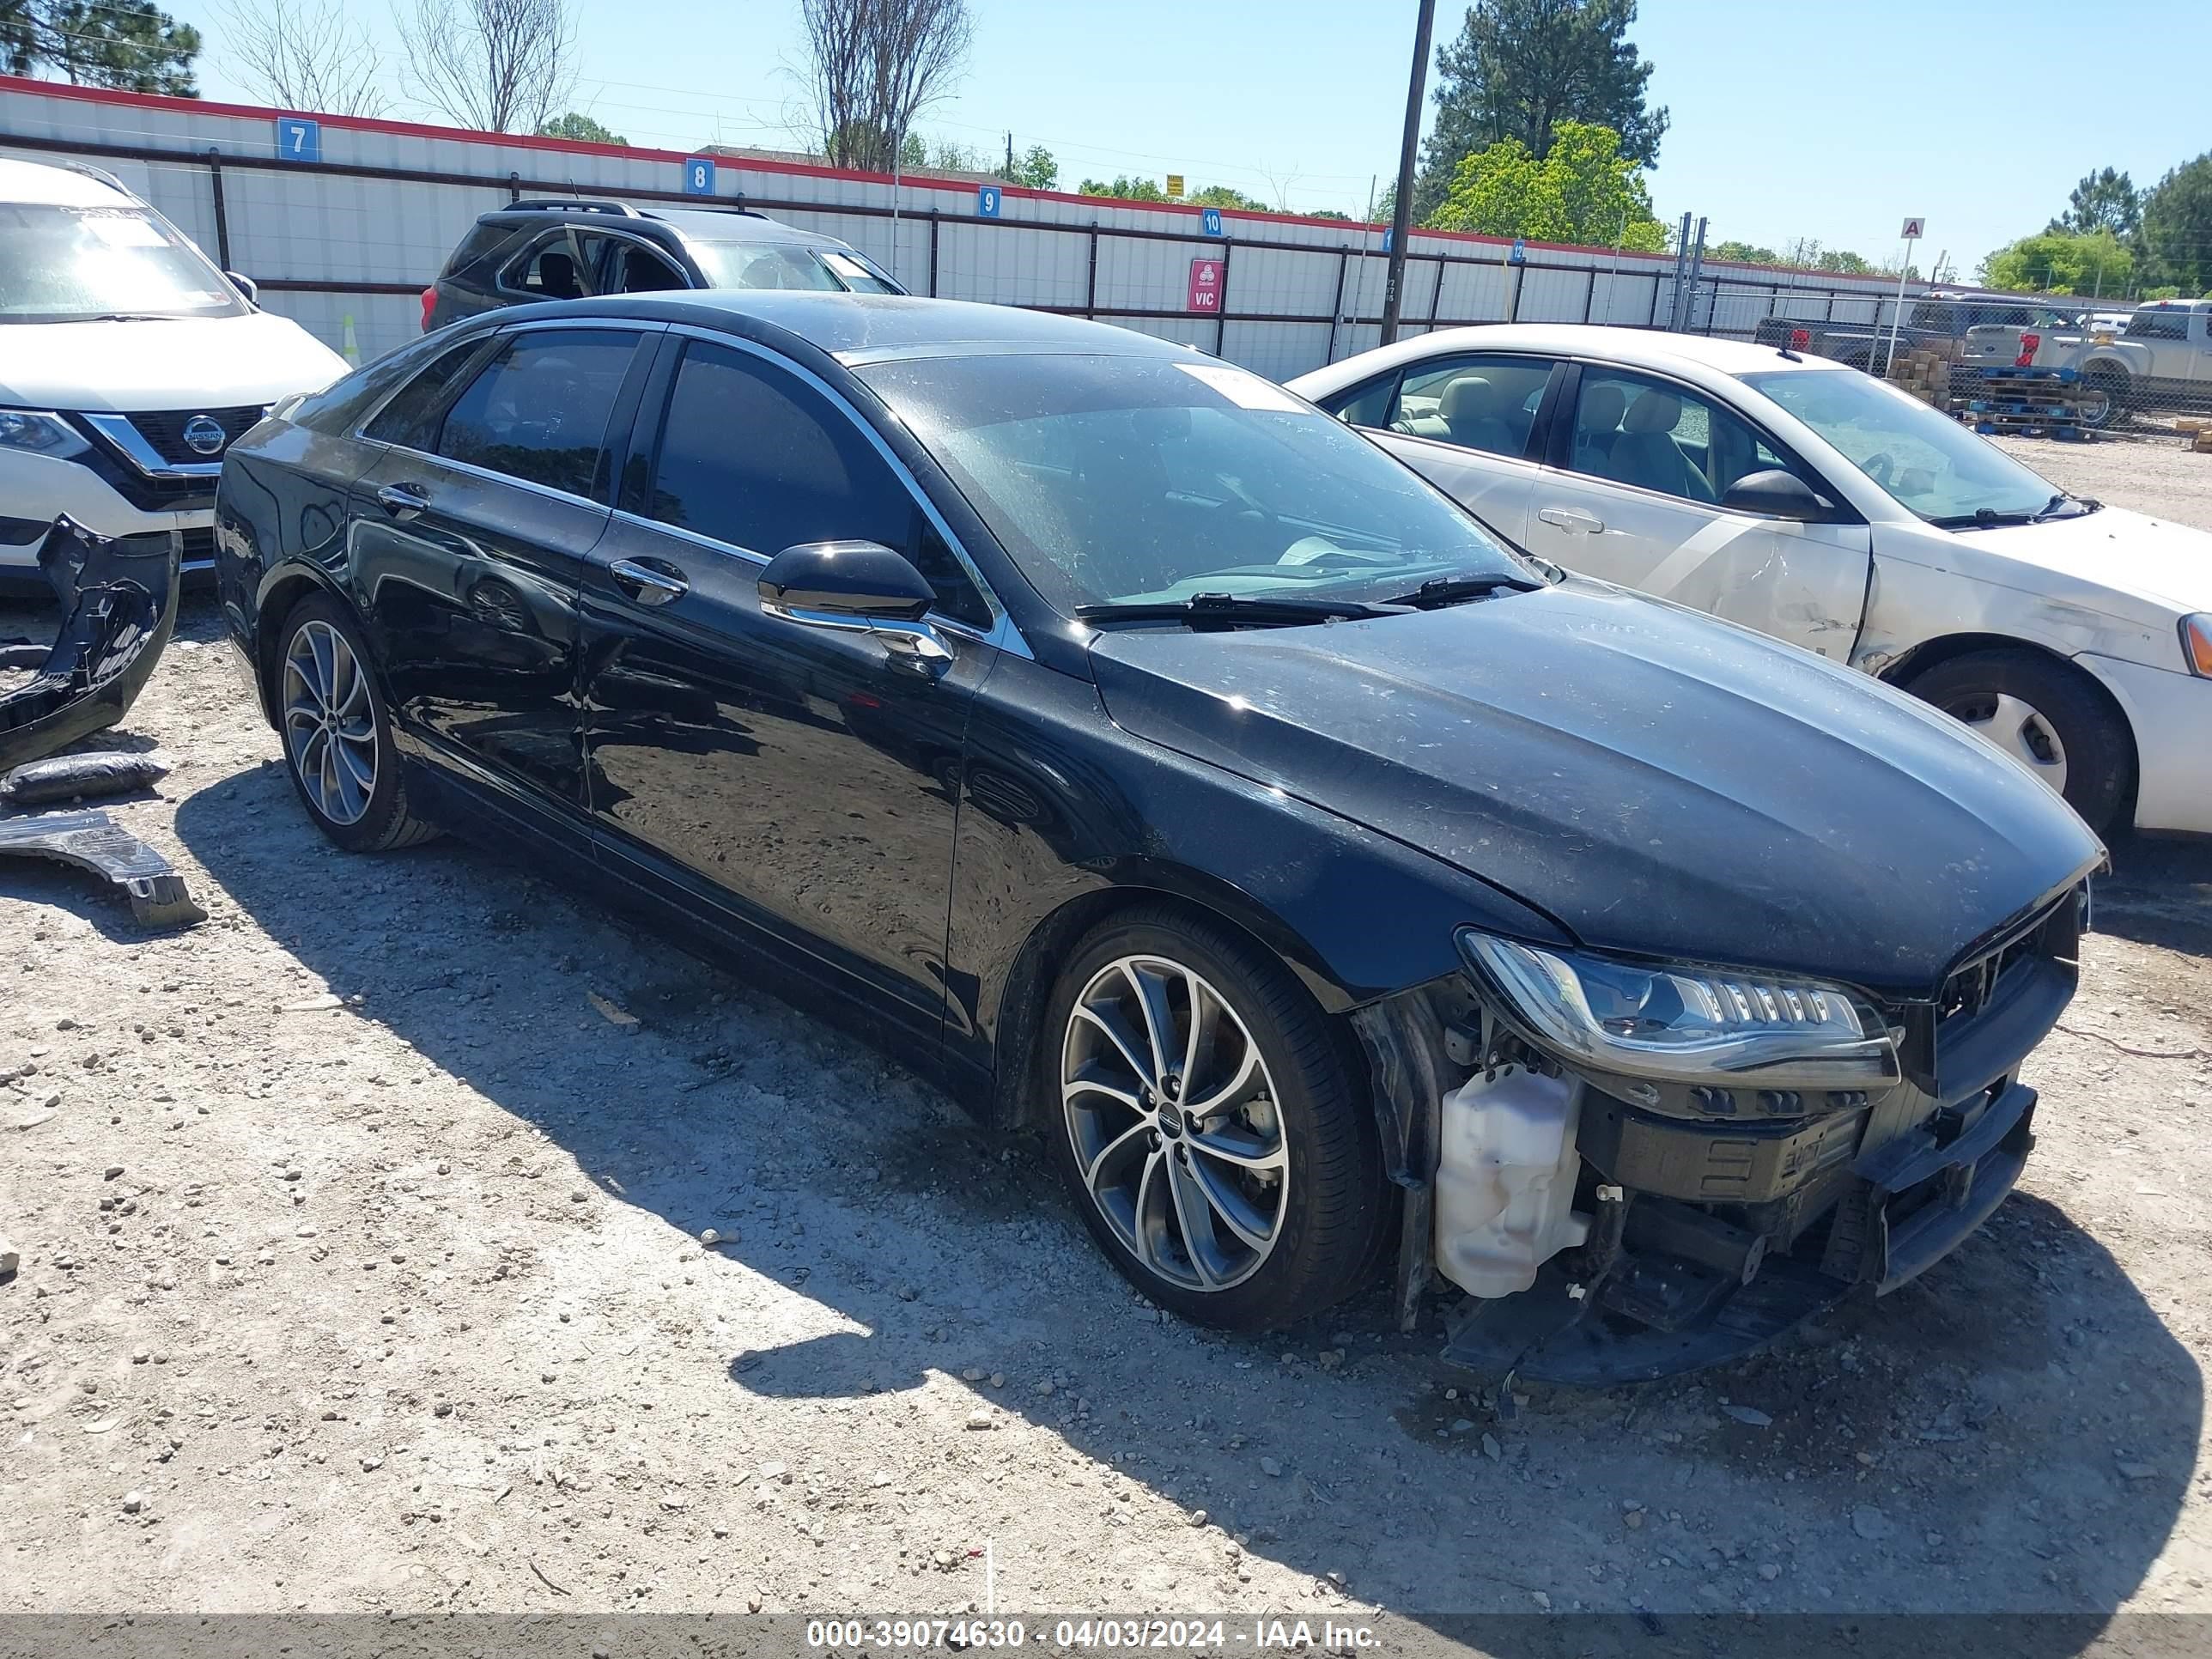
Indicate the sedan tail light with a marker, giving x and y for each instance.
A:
(2028, 343)
(1801, 339)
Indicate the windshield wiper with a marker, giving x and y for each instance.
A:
(128, 317)
(2059, 504)
(1457, 590)
(1234, 610)
(1983, 518)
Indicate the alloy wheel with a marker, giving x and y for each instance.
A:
(1175, 1122)
(329, 727)
(2016, 726)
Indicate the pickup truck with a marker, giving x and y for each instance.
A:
(1934, 319)
(2161, 357)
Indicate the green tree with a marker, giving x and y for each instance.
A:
(582, 127)
(128, 45)
(1034, 168)
(1745, 254)
(1519, 68)
(1328, 213)
(2177, 228)
(2102, 201)
(2062, 261)
(1583, 191)
(1127, 189)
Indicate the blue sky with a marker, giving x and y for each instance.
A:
(1828, 120)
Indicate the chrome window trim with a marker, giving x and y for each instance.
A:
(118, 430)
(1002, 633)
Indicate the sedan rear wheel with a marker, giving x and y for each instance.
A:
(1208, 1124)
(338, 742)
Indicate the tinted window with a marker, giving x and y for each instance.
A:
(539, 410)
(1657, 436)
(751, 457)
(1364, 405)
(1478, 402)
(2159, 326)
(406, 419)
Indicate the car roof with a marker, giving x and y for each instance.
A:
(1633, 348)
(37, 183)
(866, 327)
(702, 224)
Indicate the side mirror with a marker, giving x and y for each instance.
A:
(863, 582)
(245, 285)
(1775, 494)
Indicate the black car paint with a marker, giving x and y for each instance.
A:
(1628, 764)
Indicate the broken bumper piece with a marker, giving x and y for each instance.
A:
(1914, 1201)
(93, 841)
(118, 600)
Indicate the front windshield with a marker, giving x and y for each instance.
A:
(74, 264)
(1113, 479)
(775, 264)
(1928, 462)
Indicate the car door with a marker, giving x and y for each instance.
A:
(468, 546)
(1631, 492)
(797, 783)
(1466, 423)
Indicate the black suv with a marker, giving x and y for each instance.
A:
(581, 247)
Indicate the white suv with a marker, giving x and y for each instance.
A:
(128, 364)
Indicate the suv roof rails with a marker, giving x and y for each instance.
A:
(719, 207)
(573, 204)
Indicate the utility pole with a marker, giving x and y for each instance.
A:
(1402, 210)
(1010, 154)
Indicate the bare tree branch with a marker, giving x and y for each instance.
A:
(305, 55)
(873, 65)
(496, 65)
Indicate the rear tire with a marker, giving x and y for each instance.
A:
(2110, 401)
(1231, 1173)
(2048, 717)
(337, 740)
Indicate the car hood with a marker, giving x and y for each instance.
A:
(171, 363)
(1658, 782)
(2152, 560)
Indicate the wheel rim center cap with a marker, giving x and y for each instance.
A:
(1170, 1120)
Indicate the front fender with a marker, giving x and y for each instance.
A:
(1063, 813)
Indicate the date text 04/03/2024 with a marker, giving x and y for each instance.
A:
(1201, 1635)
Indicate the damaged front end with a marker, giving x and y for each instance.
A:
(119, 601)
(1635, 1170)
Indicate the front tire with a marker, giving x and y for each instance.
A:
(1212, 1128)
(337, 738)
(2047, 717)
(2107, 400)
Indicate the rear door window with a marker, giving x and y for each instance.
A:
(560, 265)
(1482, 402)
(634, 268)
(412, 415)
(539, 411)
(1665, 438)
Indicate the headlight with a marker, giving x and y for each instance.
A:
(39, 434)
(1686, 1025)
(2197, 643)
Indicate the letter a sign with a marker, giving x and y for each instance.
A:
(1914, 229)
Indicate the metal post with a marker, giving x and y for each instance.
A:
(1681, 265)
(222, 215)
(1402, 210)
(514, 187)
(936, 218)
(1336, 310)
(1589, 294)
(1897, 316)
(1688, 299)
(1091, 285)
(1221, 316)
(1437, 297)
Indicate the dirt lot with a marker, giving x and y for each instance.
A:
(361, 1271)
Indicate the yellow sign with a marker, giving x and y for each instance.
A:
(1175, 184)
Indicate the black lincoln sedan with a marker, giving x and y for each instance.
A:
(1342, 897)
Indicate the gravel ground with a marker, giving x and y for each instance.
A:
(2161, 477)
(361, 1271)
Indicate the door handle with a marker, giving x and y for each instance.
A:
(402, 501)
(1573, 520)
(653, 583)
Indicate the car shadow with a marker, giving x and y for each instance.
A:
(2015, 1433)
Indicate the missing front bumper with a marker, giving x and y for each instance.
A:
(1910, 1203)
